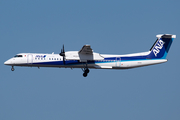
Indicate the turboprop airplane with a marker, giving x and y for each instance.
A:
(86, 58)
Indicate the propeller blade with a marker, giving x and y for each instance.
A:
(63, 49)
(63, 54)
(64, 60)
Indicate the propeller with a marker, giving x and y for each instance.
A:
(63, 54)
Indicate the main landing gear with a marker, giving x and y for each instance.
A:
(86, 71)
(12, 69)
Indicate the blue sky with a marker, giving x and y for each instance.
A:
(113, 27)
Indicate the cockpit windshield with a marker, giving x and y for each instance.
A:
(18, 56)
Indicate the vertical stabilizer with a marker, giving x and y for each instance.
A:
(161, 47)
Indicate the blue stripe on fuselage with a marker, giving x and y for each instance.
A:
(106, 60)
(127, 58)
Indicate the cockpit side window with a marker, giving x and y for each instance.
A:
(18, 56)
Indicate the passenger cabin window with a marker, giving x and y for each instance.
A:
(18, 56)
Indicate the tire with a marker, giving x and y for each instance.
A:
(12, 69)
(87, 70)
(85, 74)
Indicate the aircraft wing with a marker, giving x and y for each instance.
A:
(85, 54)
(86, 49)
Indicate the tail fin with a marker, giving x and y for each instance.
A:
(161, 47)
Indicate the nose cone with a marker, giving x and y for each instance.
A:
(8, 62)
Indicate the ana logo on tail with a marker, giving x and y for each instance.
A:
(158, 47)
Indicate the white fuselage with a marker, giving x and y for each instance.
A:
(75, 60)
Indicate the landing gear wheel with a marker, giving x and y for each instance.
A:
(87, 70)
(12, 69)
(85, 74)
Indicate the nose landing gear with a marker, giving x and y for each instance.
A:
(12, 69)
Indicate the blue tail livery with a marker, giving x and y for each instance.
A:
(161, 47)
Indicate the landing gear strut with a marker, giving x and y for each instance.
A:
(12, 69)
(86, 71)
